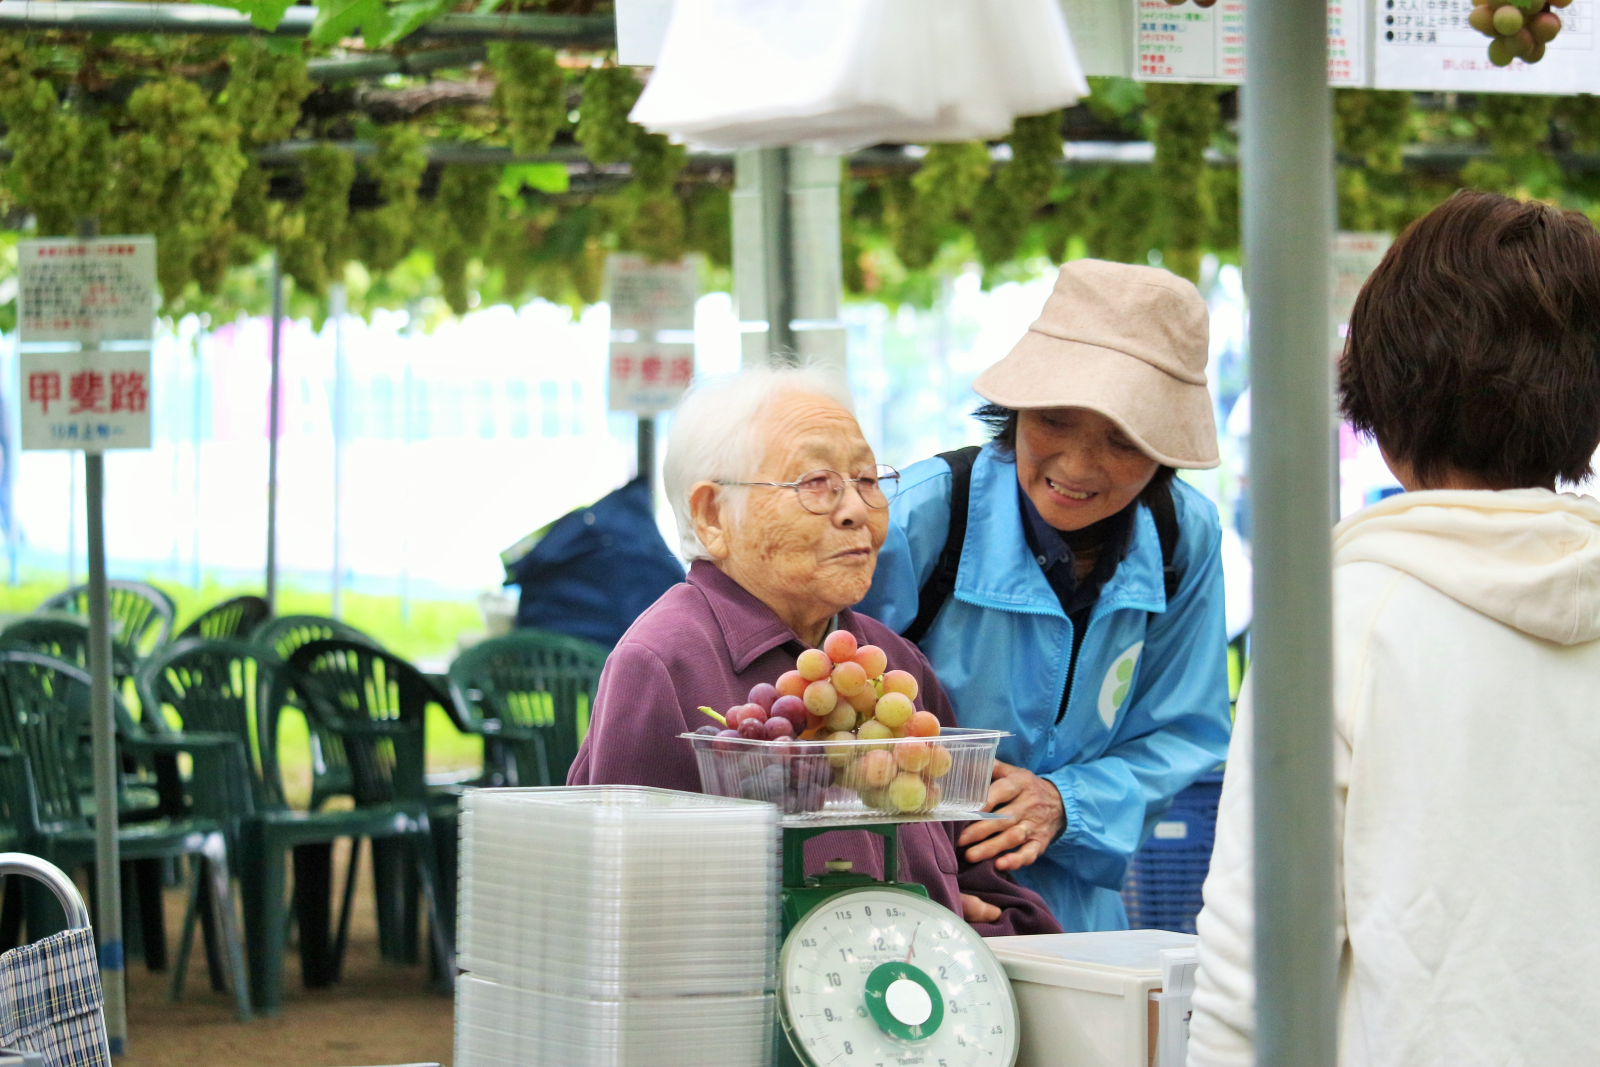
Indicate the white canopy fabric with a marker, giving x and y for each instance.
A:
(841, 74)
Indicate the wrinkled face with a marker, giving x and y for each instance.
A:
(1077, 466)
(800, 563)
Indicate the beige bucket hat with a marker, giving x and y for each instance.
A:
(1128, 342)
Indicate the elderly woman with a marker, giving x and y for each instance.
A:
(782, 508)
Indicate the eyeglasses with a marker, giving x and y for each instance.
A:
(820, 491)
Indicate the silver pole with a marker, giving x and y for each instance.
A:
(274, 403)
(195, 573)
(763, 275)
(72, 520)
(1287, 158)
(336, 298)
(103, 733)
(647, 455)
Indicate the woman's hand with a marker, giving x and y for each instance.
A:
(977, 910)
(1036, 817)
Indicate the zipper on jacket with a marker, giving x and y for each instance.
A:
(1080, 627)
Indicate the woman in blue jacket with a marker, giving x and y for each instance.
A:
(1068, 589)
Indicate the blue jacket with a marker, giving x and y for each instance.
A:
(1148, 712)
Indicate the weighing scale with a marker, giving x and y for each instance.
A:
(873, 973)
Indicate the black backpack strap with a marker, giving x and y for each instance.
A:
(1165, 512)
(942, 582)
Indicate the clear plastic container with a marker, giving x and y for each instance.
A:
(903, 779)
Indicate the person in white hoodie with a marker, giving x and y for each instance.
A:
(1467, 667)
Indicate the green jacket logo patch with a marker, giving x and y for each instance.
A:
(1119, 679)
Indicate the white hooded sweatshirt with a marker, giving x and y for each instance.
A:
(1467, 769)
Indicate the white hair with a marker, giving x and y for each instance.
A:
(717, 435)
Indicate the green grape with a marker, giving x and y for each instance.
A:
(461, 216)
(658, 227)
(656, 161)
(1035, 156)
(60, 155)
(384, 234)
(1182, 120)
(1372, 125)
(530, 92)
(603, 127)
(999, 223)
(264, 91)
(950, 177)
(710, 224)
(913, 230)
(314, 244)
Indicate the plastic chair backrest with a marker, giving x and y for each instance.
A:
(228, 687)
(236, 618)
(44, 715)
(142, 609)
(65, 637)
(531, 690)
(377, 705)
(284, 634)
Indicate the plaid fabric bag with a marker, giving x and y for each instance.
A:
(51, 1001)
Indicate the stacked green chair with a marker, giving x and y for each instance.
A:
(142, 613)
(283, 635)
(377, 705)
(64, 636)
(236, 618)
(529, 694)
(41, 715)
(236, 688)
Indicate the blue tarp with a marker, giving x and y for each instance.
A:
(595, 570)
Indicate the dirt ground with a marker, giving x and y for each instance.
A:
(380, 1013)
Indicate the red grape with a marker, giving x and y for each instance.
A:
(840, 646)
(778, 728)
(763, 694)
(873, 660)
(792, 684)
(791, 708)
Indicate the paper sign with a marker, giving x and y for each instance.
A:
(1187, 43)
(99, 290)
(94, 401)
(1100, 36)
(1355, 257)
(652, 332)
(1428, 45)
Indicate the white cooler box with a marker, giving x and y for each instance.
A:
(1114, 999)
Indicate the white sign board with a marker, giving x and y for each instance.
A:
(94, 401)
(652, 332)
(1101, 35)
(1188, 43)
(1355, 257)
(97, 290)
(1428, 45)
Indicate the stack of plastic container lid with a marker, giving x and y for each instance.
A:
(613, 926)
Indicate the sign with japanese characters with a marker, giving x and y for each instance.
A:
(1355, 257)
(93, 400)
(1188, 43)
(95, 290)
(652, 332)
(1428, 45)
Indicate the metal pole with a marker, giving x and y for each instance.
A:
(763, 276)
(195, 574)
(1287, 157)
(72, 520)
(405, 528)
(108, 867)
(647, 455)
(274, 403)
(336, 298)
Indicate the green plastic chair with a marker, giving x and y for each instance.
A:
(236, 618)
(529, 694)
(330, 771)
(66, 637)
(236, 688)
(143, 613)
(41, 702)
(377, 704)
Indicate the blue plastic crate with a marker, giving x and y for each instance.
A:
(1162, 888)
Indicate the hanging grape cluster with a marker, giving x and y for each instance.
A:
(1520, 28)
(531, 92)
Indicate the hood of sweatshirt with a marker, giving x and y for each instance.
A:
(1528, 558)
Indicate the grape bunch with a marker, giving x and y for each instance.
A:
(837, 695)
(1520, 28)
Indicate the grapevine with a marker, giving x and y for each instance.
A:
(461, 217)
(264, 92)
(913, 227)
(603, 127)
(383, 234)
(950, 177)
(530, 92)
(1183, 119)
(314, 243)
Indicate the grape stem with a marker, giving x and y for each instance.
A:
(715, 716)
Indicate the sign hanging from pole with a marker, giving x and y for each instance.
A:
(652, 332)
(88, 291)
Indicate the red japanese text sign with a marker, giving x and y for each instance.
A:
(94, 401)
(652, 332)
(96, 290)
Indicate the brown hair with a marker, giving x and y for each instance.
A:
(1475, 345)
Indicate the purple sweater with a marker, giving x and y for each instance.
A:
(707, 641)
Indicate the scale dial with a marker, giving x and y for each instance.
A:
(879, 977)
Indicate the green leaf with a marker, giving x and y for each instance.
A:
(488, 7)
(403, 19)
(285, 46)
(338, 19)
(266, 14)
(545, 177)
